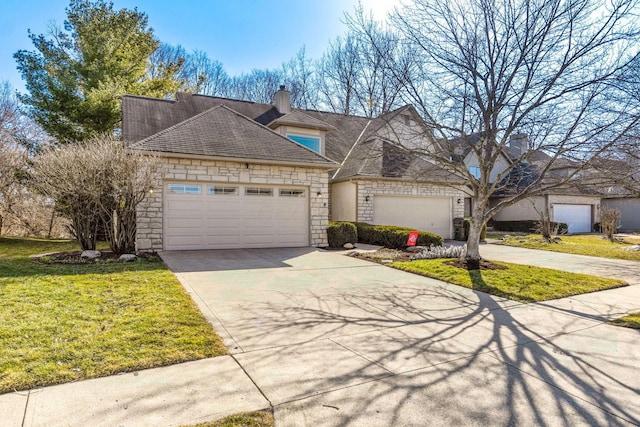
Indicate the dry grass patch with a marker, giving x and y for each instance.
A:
(61, 323)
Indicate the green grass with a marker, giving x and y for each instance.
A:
(593, 245)
(630, 321)
(248, 419)
(517, 282)
(61, 323)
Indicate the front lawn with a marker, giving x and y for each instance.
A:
(61, 323)
(517, 282)
(248, 419)
(593, 245)
(629, 321)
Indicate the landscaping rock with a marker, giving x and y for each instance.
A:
(414, 249)
(348, 246)
(127, 257)
(632, 248)
(90, 254)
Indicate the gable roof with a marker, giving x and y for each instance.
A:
(377, 158)
(147, 120)
(223, 132)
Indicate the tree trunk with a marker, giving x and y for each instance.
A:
(472, 255)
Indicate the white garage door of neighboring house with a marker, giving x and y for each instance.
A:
(431, 214)
(577, 217)
(225, 216)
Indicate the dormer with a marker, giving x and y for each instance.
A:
(298, 126)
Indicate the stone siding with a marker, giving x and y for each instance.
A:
(150, 211)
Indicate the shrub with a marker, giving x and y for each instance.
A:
(467, 224)
(433, 252)
(393, 237)
(609, 219)
(526, 226)
(339, 233)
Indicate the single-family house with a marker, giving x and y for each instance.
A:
(238, 174)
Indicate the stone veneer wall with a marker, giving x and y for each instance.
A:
(403, 188)
(149, 213)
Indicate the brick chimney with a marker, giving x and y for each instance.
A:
(282, 100)
(518, 144)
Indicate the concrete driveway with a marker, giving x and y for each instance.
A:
(334, 341)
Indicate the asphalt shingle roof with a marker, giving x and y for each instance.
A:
(222, 132)
(147, 122)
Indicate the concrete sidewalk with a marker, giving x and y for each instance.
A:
(169, 396)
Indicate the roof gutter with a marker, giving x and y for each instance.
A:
(327, 166)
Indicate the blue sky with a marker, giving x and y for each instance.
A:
(242, 34)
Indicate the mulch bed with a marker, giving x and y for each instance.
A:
(383, 256)
(74, 258)
(484, 265)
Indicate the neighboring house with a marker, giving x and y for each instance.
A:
(628, 204)
(576, 204)
(240, 174)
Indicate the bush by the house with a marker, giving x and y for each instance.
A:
(467, 224)
(393, 237)
(339, 233)
(526, 226)
(434, 252)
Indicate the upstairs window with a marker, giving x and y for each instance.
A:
(312, 142)
(475, 171)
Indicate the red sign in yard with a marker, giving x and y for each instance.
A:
(413, 238)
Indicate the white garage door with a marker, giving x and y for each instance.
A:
(577, 217)
(431, 214)
(224, 216)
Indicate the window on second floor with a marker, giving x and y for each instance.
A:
(475, 171)
(312, 142)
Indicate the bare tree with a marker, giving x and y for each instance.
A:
(93, 181)
(609, 222)
(21, 211)
(489, 71)
(299, 79)
(338, 72)
(257, 86)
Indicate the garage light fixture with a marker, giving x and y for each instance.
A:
(319, 195)
(459, 201)
(366, 199)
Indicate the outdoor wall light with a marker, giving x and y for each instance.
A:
(366, 199)
(319, 195)
(459, 201)
(151, 191)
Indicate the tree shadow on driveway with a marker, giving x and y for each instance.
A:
(437, 355)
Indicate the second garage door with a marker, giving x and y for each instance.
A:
(431, 214)
(577, 217)
(225, 216)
